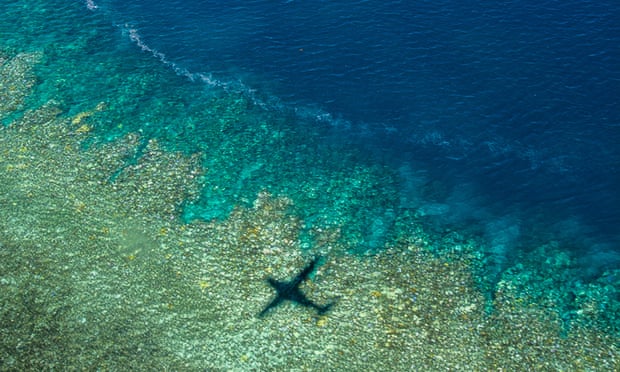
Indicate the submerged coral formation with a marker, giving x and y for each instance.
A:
(16, 80)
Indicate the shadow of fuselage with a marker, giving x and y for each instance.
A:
(289, 291)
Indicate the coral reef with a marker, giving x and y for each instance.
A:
(99, 271)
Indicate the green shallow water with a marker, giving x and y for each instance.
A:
(142, 212)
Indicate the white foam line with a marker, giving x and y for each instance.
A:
(234, 86)
(135, 37)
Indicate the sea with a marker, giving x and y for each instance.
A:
(511, 107)
(437, 176)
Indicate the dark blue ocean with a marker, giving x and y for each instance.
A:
(512, 106)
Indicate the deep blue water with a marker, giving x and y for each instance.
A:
(513, 105)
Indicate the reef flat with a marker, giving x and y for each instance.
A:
(99, 271)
